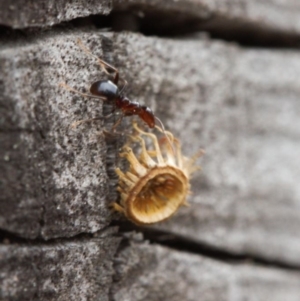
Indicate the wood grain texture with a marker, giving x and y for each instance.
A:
(78, 269)
(240, 105)
(53, 176)
(150, 272)
(220, 15)
(271, 14)
(43, 13)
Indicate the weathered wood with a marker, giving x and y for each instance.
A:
(240, 105)
(250, 17)
(67, 270)
(150, 272)
(209, 15)
(53, 177)
(247, 198)
(56, 181)
(84, 269)
(18, 14)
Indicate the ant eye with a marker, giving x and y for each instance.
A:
(157, 182)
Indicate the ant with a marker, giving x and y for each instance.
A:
(108, 90)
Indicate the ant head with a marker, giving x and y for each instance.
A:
(147, 115)
(105, 88)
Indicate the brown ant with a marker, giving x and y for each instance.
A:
(108, 90)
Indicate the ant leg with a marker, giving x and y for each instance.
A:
(67, 87)
(124, 85)
(105, 66)
(79, 122)
(117, 123)
(76, 123)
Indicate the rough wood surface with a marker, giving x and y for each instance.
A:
(54, 178)
(150, 272)
(18, 14)
(271, 13)
(56, 181)
(210, 15)
(268, 23)
(240, 105)
(247, 198)
(66, 270)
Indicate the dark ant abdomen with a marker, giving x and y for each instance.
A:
(105, 88)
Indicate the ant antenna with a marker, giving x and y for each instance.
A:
(67, 87)
(164, 131)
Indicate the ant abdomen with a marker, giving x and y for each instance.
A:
(105, 88)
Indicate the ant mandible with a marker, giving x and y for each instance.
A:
(108, 90)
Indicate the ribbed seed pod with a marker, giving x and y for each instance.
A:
(158, 180)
